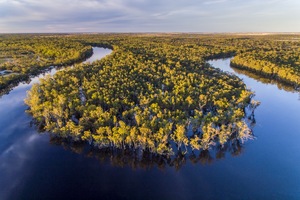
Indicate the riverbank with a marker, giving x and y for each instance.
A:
(11, 80)
(270, 75)
(18, 138)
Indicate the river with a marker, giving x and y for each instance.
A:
(36, 166)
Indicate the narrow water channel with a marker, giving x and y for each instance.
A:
(20, 143)
(33, 166)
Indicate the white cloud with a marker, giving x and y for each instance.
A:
(214, 2)
(142, 15)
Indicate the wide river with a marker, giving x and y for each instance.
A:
(36, 166)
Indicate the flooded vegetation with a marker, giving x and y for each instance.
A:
(43, 165)
(144, 97)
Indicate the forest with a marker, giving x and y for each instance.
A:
(154, 92)
(277, 59)
(25, 55)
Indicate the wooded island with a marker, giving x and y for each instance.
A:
(154, 92)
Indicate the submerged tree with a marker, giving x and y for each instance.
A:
(151, 94)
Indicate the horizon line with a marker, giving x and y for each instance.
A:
(157, 32)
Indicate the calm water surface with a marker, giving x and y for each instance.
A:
(33, 166)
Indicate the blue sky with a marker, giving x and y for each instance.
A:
(149, 16)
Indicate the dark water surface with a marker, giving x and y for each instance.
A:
(35, 166)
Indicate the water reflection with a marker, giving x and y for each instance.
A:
(144, 159)
(265, 80)
(31, 168)
(138, 159)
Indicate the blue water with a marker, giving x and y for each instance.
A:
(97, 54)
(34, 166)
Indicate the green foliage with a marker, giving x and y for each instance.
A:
(275, 58)
(30, 54)
(149, 94)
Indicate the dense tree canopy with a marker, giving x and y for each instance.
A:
(23, 55)
(152, 93)
(155, 92)
(277, 59)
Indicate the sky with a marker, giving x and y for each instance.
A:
(23, 16)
